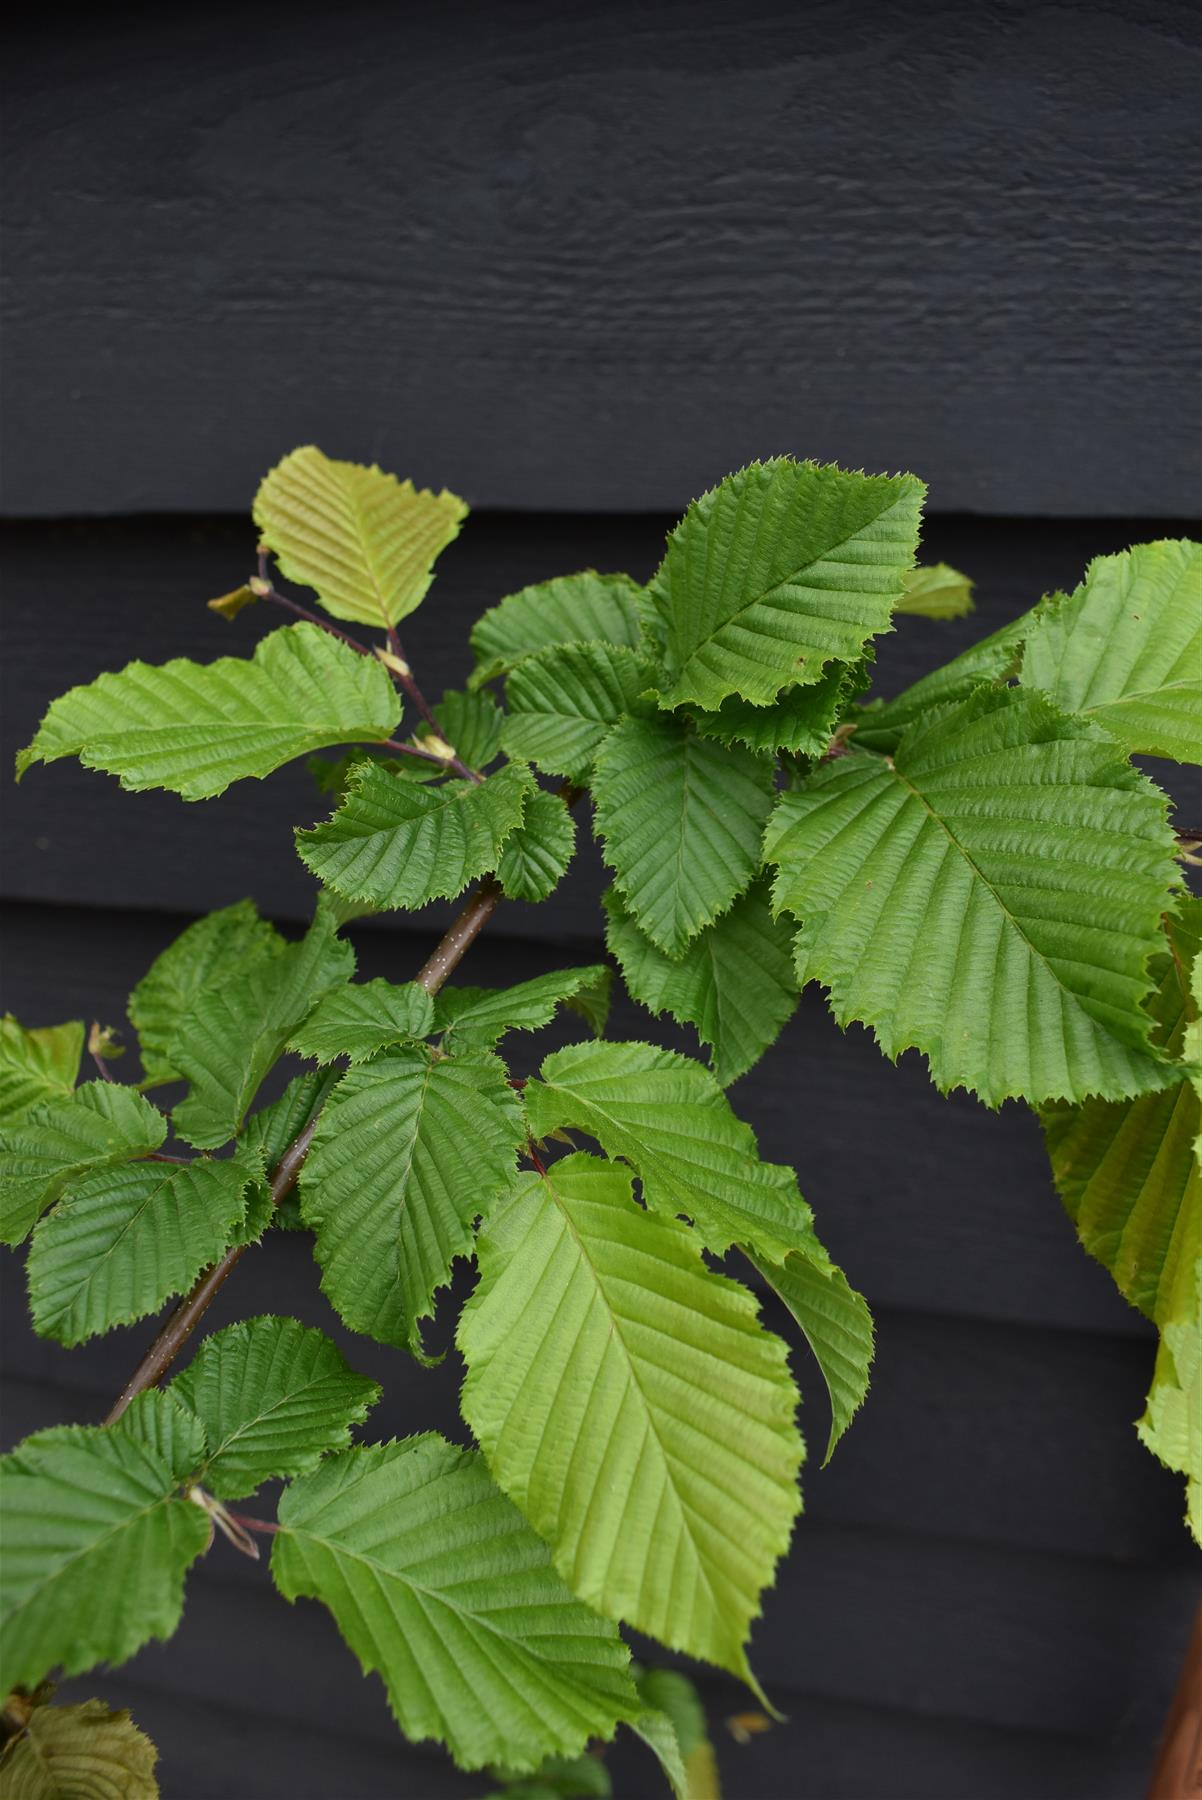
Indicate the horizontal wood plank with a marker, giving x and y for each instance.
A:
(596, 257)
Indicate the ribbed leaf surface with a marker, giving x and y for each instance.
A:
(37, 1065)
(439, 1586)
(474, 1018)
(214, 950)
(96, 1545)
(79, 1753)
(584, 608)
(195, 727)
(633, 1406)
(991, 895)
(362, 1018)
(994, 659)
(394, 844)
(273, 1397)
(837, 1326)
(535, 857)
(125, 1240)
(779, 570)
(364, 541)
(236, 1032)
(936, 591)
(409, 1149)
(735, 983)
(1126, 649)
(563, 701)
(667, 1117)
(102, 1123)
(801, 719)
(681, 820)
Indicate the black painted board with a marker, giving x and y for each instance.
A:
(83, 598)
(952, 1212)
(594, 257)
(826, 1750)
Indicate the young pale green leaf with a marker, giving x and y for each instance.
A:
(79, 1753)
(439, 1586)
(273, 1397)
(408, 1150)
(535, 857)
(735, 983)
(837, 1326)
(358, 1020)
(1128, 1173)
(37, 1065)
(126, 1239)
(665, 1485)
(1171, 1426)
(563, 702)
(394, 844)
(365, 542)
(990, 894)
(216, 949)
(681, 820)
(96, 1543)
(101, 1124)
(234, 1033)
(192, 728)
(777, 571)
(585, 608)
(1126, 649)
(801, 719)
(936, 591)
(667, 1116)
(474, 1018)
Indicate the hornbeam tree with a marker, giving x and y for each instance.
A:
(972, 869)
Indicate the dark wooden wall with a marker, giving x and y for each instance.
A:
(577, 262)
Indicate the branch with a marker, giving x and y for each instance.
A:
(179, 1327)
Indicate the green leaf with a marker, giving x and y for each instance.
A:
(126, 1239)
(330, 773)
(837, 1326)
(96, 1544)
(235, 1033)
(563, 701)
(214, 950)
(364, 541)
(439, 1585)
(273, 1397)
(471, 724)
(408, 1150)
(681, 821)
(674, 1699)
(584, 608)
(536, 856)
(358, 1020)
(990, 894)
(667, 1117)
(474, 1018)
(1126, 649)
(582, 1777)
(192, 728)
(777, 571)
(270, 1131)
(1128, 1174)
(659, 1734)
(663, 1473)
(101, 1124)
(79, 1753)
(735, 983)
(936, 591)
(801, 719)
(995, 659)
(37, 1065)
(394, 844)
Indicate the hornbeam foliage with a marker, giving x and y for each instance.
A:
(195, 727)
(970, 867)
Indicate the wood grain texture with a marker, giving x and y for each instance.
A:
(595, 257)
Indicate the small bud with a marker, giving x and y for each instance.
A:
(104, 1041)
(397, 664)
(437, 746)
(231, 604)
